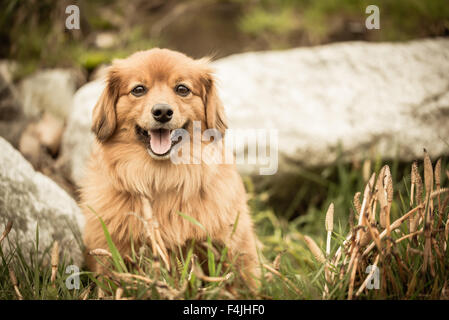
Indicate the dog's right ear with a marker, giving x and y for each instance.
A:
(104, 118)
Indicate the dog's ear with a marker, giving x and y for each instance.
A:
(104, 118)
(214, 110)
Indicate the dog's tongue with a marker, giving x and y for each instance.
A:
(160, 141)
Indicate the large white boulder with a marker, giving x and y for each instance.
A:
(389, 97)
(49, 90)
(355, 97)
(30, 200)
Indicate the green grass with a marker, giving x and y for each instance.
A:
(202, 270)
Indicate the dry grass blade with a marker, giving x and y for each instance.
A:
(54, 261)
(212, 279)
(316, 251)
(85, 294)
(410, 235)
(394, 226)
(6, 231)
(357, 204)
(15, 283)
(281, 276)
(100, 253)
(354, 261)
(438, 186)
(277, 260)
(119, 294)
(428, 181)
(446, 234)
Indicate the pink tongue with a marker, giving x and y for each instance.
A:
(160, 141)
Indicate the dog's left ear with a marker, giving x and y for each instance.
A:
(104, 116)
(215, 115)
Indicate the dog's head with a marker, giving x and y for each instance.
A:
(150, 95)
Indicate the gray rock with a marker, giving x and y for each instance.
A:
(30, 199)
(391, 98)
(12, 118)
(355, 97)
(49, 90)
(77, 136)
(7, 69)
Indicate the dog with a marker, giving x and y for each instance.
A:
(130, 180)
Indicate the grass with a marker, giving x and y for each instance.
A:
(321, 254)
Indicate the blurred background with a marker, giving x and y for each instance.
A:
(33, 33)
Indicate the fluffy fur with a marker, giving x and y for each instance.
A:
(122, 177)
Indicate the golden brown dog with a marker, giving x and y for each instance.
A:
(148, 96)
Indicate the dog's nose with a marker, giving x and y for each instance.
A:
(162, 112)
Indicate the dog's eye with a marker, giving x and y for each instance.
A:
(182, 90)
(139, 91)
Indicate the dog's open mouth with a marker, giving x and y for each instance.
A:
(160, 142)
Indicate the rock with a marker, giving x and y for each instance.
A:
(106, 40)
(40, 141)
(77, 136)
(12, 119)
(30, 199)
(352, 97)
(49, 90)
(357, 96)
(7, 69)
(99, 73)
(29, 145)
(49, 131)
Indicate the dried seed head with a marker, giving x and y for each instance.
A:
(382, 197)
(119, 293)
(100, 252)
(414, 171)
(366, 169)
(388, 184)
(55, 254)
(428, 173)
(330, 218)
(438, 173)
(357, 204)
(419, 188)
(316, 251)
